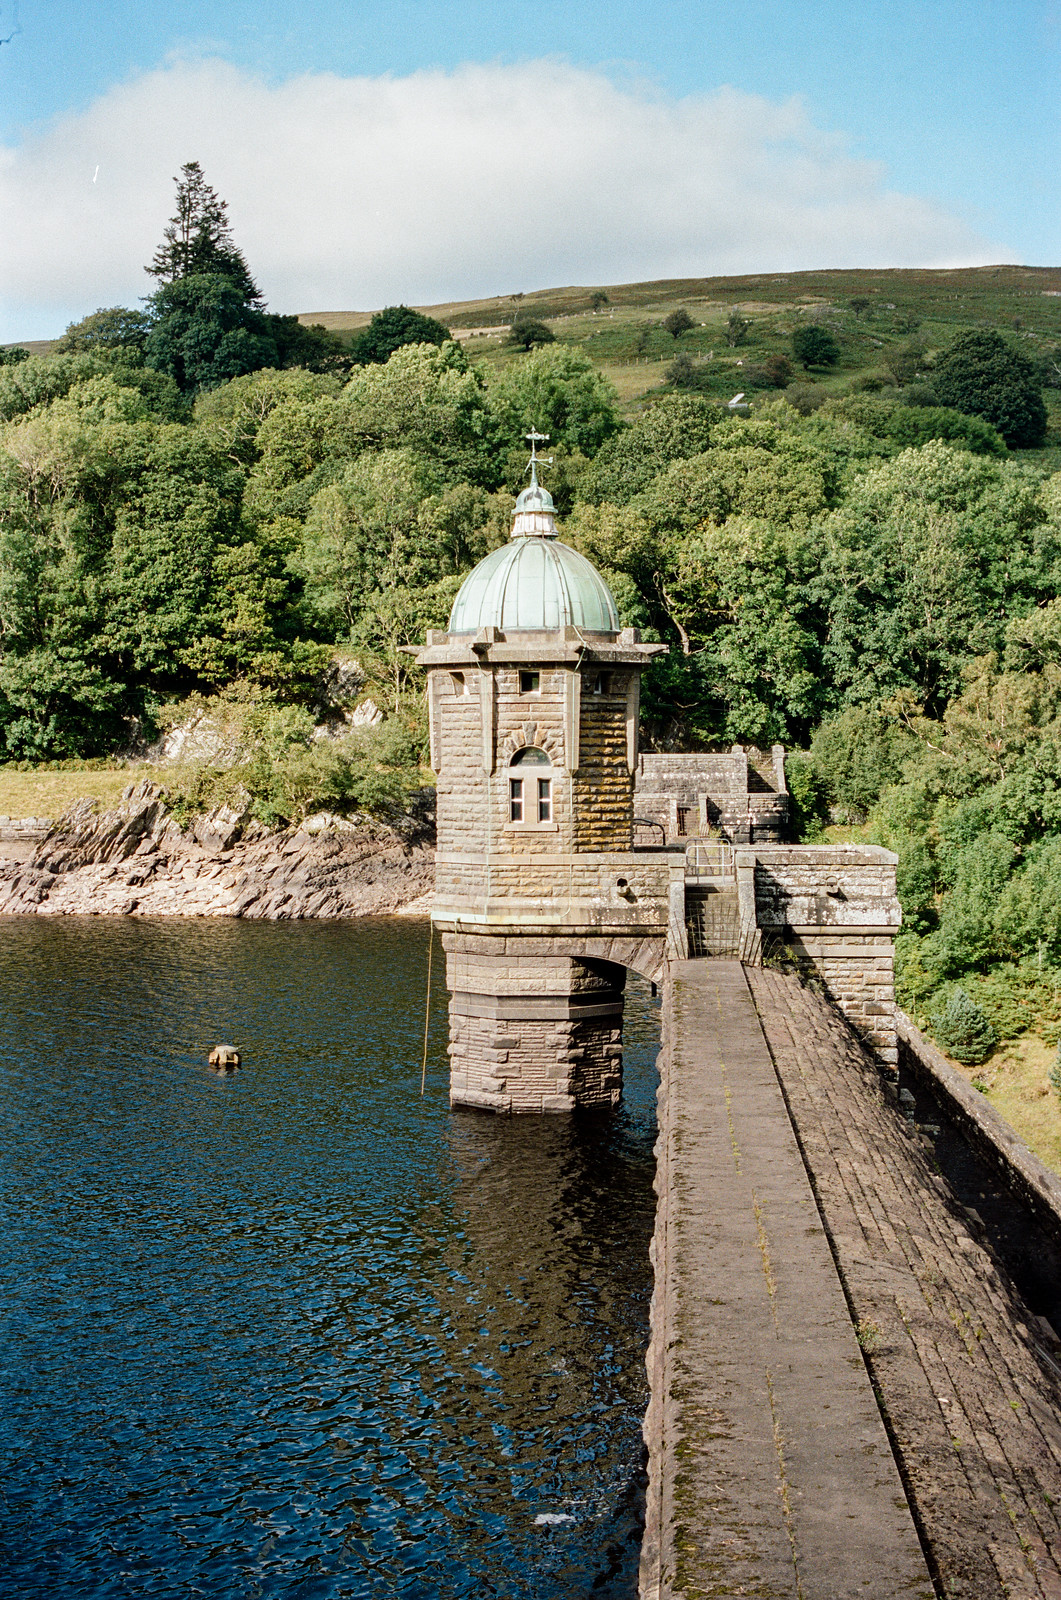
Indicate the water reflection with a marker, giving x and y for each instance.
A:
(298, 1332)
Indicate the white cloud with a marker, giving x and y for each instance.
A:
(358, 192)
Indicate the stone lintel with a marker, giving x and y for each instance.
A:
(538, 1007)
(531, 921)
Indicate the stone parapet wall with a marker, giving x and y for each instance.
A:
(834, 911)
(620, 890)
(825, 885)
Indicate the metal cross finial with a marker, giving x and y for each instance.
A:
(534, 438)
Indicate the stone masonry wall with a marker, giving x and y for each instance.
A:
(532, 1032)
(461, 782)
(834, 909)
(603, 786)
(616, 889)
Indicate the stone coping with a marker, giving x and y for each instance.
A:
(858, 854)
(988, 1130)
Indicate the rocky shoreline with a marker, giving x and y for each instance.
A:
(136, 860)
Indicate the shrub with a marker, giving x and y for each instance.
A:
(677, 323)
(814, 346)
(805, 397)
(526, 332)
(963, 1030)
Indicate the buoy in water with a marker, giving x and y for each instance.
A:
(224, 1058)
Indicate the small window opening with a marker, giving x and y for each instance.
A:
(545, 799)
(530, 682)
(683, 821)
(459, 684)
(602, 683)
(530, 756)
(515, 799)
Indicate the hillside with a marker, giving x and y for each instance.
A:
(626, 339)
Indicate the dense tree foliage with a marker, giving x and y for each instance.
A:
(983, 375)
(391, 328)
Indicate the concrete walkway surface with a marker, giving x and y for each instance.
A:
(772, 1472)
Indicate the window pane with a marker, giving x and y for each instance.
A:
(515, 800)
(545, 800)
(530, 682)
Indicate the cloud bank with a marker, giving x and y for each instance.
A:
(352, 193)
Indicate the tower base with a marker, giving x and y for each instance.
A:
(532, 1033)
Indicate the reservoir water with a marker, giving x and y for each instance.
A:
(300, 1332)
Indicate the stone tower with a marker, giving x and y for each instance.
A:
(542, 902)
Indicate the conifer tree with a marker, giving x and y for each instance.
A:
(198, 239)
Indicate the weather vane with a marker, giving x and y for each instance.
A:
(534, 438)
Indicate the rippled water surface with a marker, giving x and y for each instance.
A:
(300, 1332)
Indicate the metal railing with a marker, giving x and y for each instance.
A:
(708, 858)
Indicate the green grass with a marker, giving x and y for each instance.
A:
(48, 792)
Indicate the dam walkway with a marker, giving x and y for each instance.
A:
(849, 1396)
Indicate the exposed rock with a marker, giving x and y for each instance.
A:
(136, 860)
(224, 1058)
(366, 715)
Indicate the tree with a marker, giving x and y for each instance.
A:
(677, 323)
(983, 375)
(429, 399)
(859, 303)
(391, 328)
(923, 565)
(109, 328)
(904, 361)
(559, 391)
(12, 354)
(314, 348)
(777, 370)
(197, 242)
(598, 299)
(205, 332)
(736, 328)
(813, 346)
(963, 1030)
(526, 332)
(670, 429)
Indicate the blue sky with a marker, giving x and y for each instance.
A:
(935, 126)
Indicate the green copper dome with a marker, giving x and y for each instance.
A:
(535, 582)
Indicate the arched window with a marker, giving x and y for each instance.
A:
(530, 799)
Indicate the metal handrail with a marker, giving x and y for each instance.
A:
(708, 858)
